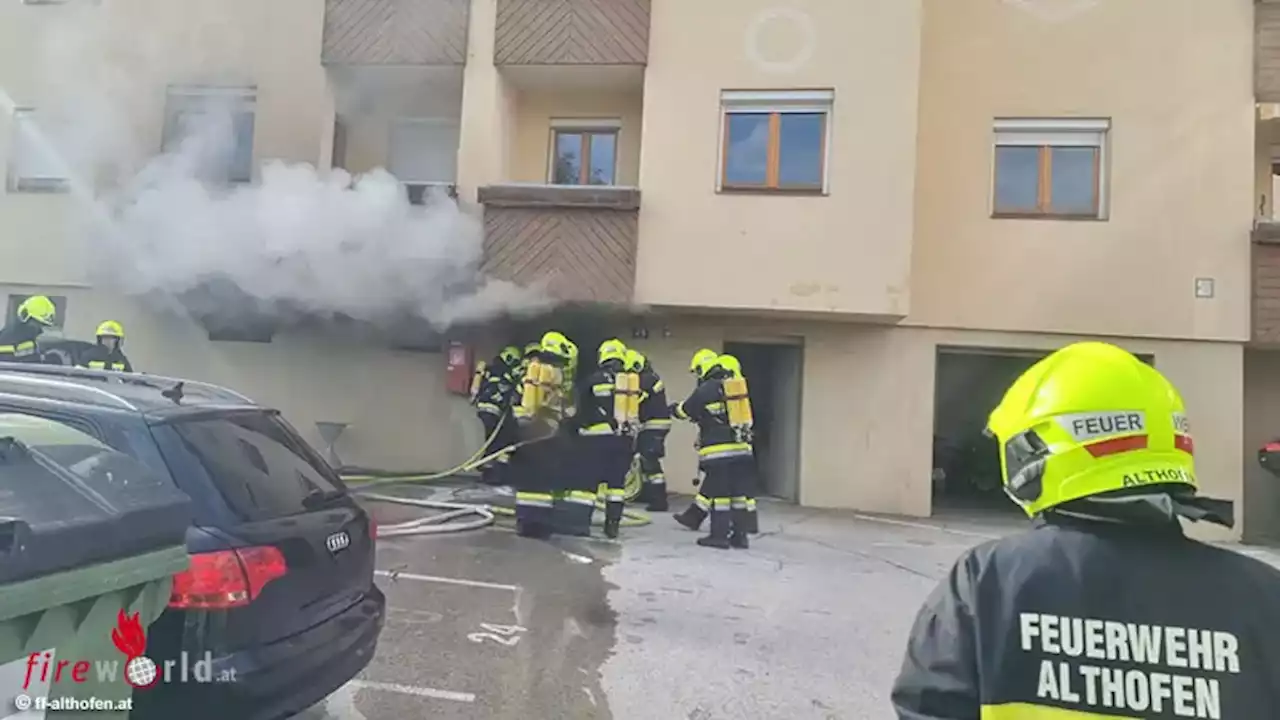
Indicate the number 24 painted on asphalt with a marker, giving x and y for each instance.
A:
(507, 635)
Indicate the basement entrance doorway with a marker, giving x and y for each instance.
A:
(969, 383)
(774, 373)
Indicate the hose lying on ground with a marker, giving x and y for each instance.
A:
(446, 521)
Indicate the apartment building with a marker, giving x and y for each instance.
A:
(886, 208)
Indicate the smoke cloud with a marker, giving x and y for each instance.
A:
(293, 241)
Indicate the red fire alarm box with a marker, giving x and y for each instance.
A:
(460, 367)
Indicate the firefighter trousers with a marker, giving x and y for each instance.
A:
(651, 448)
(497, 471)
(724, 490)
(539, 481)
(605, 461)
(731, 481)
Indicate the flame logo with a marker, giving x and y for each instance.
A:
(128, 635)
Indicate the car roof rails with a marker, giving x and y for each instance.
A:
(56, 389)
(167, 385)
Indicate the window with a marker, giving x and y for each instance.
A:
(259, 464)
(584, 153)
(213, 126)
(59, 303)
(1050, 168)
(245, 329)
(33, 164)
(775, 141)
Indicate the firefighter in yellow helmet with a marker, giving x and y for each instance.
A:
(1104, 608)
(108, 352)
(725, 457)
(541, 414)
(18, 337)
(693, 515)
(494, 394)
(655, 423)
(606, 434)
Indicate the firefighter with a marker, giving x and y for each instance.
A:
(495, 390)
(18, 339)
(655, 423)
(541, 416)
(607, 421)
(108, 353)
(693, 515)
(725, 455)
(1103, 608)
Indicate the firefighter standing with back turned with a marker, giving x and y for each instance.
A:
(494, 394)
(541, 416)
(721, 408)
(608, 418)
(693, 515)
(1104, 609)
(18, 339)
(655, 423)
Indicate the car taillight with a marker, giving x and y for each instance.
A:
(373, 528)
(226, 578)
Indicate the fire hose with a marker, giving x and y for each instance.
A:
(447, 520)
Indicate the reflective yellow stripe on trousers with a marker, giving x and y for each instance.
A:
(1027, 711)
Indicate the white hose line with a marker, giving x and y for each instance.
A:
(433, 524)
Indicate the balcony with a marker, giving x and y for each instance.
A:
(1266, 51)
(1266, 284)
(571, 32)
(395, 32)
(579, 242)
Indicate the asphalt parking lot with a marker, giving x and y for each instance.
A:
(809, 623)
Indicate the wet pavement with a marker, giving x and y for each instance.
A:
(809, 623)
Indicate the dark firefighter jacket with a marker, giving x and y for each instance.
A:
(596, 401)
(655, 415)
(497, 389)
(99, 357)
(18, 342)
(705, 406)
(1088, 618)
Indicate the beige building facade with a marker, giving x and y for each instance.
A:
(885, 208)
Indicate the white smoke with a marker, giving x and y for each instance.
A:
(313, 242)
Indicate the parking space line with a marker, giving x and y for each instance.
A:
(923, 526)
(415, 690)
(394, 575)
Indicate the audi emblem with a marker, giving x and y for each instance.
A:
(337, 542)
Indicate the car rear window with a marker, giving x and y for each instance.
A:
(261, 466)
(118, 476)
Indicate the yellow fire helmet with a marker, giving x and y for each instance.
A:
(531, 349)
(556, 344)
(1089, 419)
(510, 355)
(702, 361)
(110, 328)
(635, 361)
(39, 309)
(612, 350)
(730, 365)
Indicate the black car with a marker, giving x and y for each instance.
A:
(280, 591)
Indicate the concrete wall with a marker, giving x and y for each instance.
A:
(846, 253)
(400, 414)
(868, 404)
(1182, 190)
